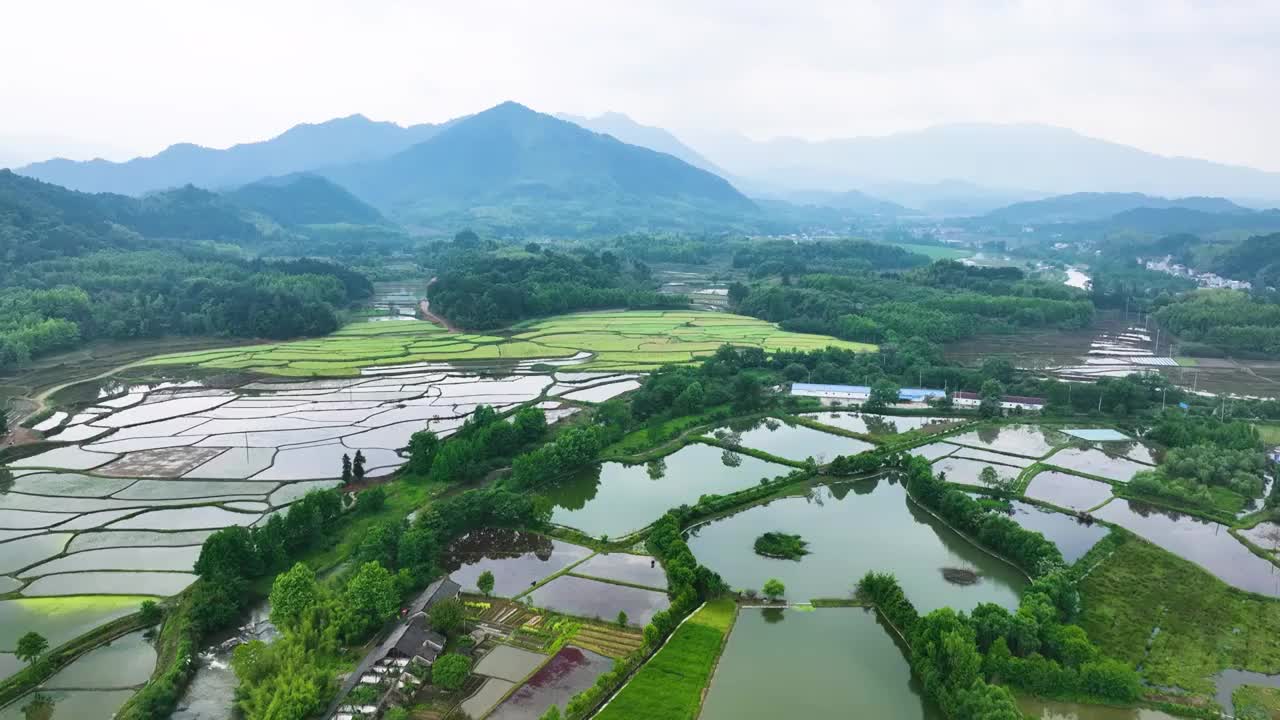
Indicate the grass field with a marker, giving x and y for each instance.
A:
(623, 340)
(1253, 702)
(935, 252)
(1270, 434)
(670, 685)
(1204, 625)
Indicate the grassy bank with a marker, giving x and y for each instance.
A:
(1204, 626)
(670, 685)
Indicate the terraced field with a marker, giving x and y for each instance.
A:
(633, 340)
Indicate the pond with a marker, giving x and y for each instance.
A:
(634, 569)
(854, 528)
(516, 558)
(964, 470)
(827, 663)
(1068, 491)
(795, 442)
(1096, 462)
(1204, 543)
(1073, 537)
(871, 424)
(614, 499)
(1031, 441)
(595, 599)
(568, 673)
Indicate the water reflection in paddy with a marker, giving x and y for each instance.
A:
(1027, 440)
(615, 499)
(796, 442)
(516, 558)
(828, 663)
(1073, 537)
(1068, 491)
(1207, 544)
(853, 528)
(872, 424)
(1096, 462)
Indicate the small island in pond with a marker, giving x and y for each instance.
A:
(781, 545)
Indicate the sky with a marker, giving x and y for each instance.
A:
(129, 77)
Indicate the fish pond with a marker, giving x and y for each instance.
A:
(1204, 543)
(517, 559)
(872, 424)
(790, 441)
(1038, 709)
(1031, 441)
(1073, 537)
(595, 599)
(824, 663)
(614, 498)
(566, 674)
(854, 528)
(1068, 491)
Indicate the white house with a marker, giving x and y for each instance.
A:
(963, 399)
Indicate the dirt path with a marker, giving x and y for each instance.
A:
(424, 306)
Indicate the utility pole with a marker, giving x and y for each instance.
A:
(1157, 350)
(1163, 393)
(1099, 400)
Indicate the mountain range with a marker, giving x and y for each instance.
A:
(515, 171)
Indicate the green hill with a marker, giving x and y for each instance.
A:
(510, 169)
(304, 199)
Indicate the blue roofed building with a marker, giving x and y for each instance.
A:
(861, 393)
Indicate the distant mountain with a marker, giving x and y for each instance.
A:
(1160, 221)
(852, 200)
(1038, 158)
(304, 199)
(512, 170)
(949, 198)
(1084, 207)
(301, 148)
(633, 133)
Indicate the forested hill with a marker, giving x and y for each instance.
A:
(512, 171)
(485, 285)
(304, 199)
(301, 148)
(1088, 206)
(77, 267)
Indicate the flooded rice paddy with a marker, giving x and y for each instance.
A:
(854, 528)
(597, 599)
(1031, 441)
(872, 424)
(509, 663)
(1068, 491)
(622, 567)
(826, 663)
(1073, 537)
(566, 674)
(793, 442)
(1093, 461)
(614, 498)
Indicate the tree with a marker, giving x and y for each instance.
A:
(690, 400)
(992, 393)
(370, 598)
(292, 593)
(447, 616)
(229, 552)
(30, 647)
(450, 671)
(485, 582)
(552, 713)
(423, 446)
(346, 469)
(622, 618)
(989, 476)
(150, 612)
(357, 467)
(4, 421)
(774, 589)
(530, 424)
(883, 394)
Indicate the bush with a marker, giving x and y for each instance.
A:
(450, 671)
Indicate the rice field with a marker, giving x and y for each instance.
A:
(632, 340)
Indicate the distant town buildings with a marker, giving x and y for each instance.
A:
(1206, 280)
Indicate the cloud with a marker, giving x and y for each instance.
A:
(1184, 78)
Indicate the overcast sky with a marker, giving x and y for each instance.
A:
(128, 77)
